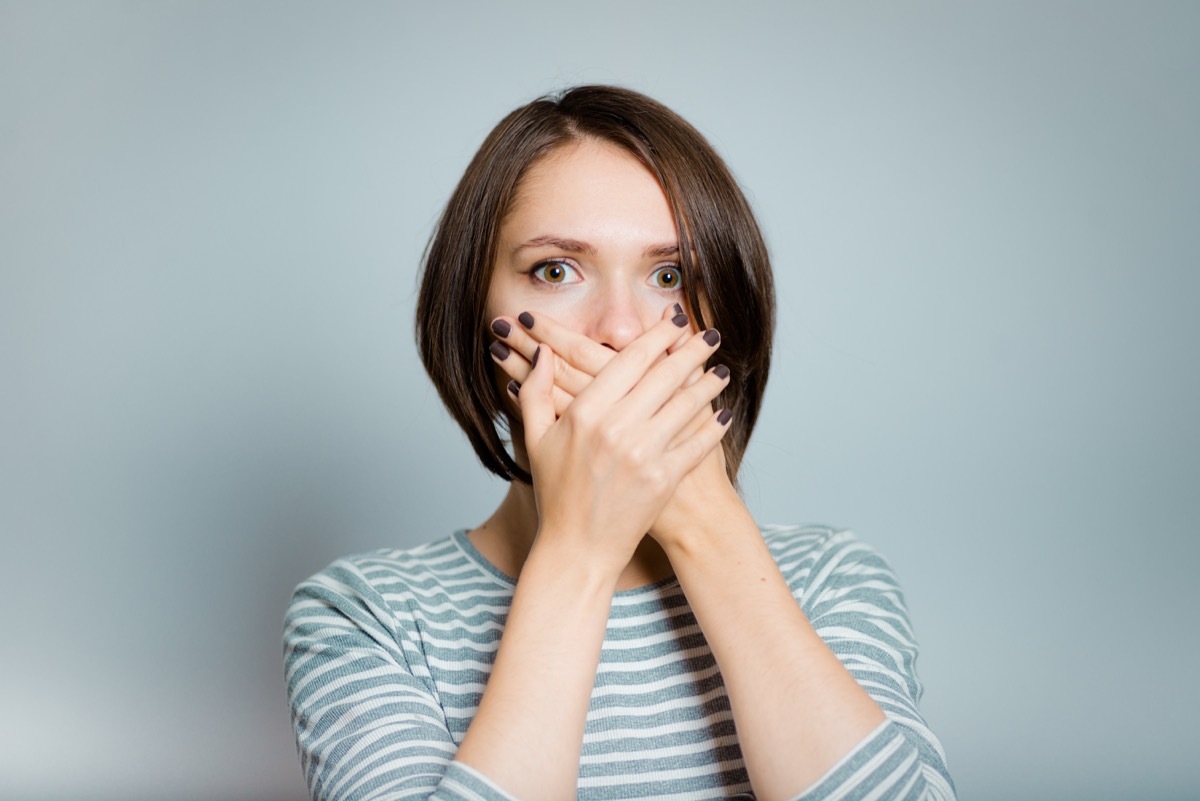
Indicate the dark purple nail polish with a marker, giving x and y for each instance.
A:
(536, 353)
(721, 372)
(678, 309)
(525, 319)
(514, 387)
(712, 337)
(499, 350)
(680, 320)
(501, 328)
(724, 417)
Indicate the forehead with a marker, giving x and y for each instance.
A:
(589, 189)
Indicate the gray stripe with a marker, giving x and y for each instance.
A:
(387, 653)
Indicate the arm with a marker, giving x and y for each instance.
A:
(807, 707)
(809, 691)
(854, 601)
(527, 734)
(797, 710)
(602, 473)
(366, 716)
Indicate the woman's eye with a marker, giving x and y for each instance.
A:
(555, 272)
(666, 278)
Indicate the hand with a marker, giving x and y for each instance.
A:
(604, 469)
(704, 494)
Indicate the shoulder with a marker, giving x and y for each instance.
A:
(369, 573)
(426, 558)
(819, 561)
(390, 589)
(811, 548)
(379, 582)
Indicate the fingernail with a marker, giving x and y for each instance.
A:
(525, 319)
(723, 418)
(536, 353)
(514, 387)
(712, 337)
(720, 371)
(680, 320)
(501, 328)
(678, 309)
(499, 350)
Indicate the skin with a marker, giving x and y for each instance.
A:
(609, 296)
(616, 426)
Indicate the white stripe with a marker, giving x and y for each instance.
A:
(394, 652)
(660, 775)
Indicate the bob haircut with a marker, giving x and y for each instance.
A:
(723, 259)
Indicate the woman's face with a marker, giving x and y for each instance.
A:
(590, 242)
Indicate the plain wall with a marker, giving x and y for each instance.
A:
(984, 222)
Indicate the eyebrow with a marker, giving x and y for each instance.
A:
(665, 249)
(588, 249)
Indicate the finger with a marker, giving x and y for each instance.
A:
(581, 352)
(580, 358)
(568, 374)
(536, 399)
(694, 376)
(681, 411)
(686, 456)
(694, 424)
(629, 366)
(577, 353)
(690, 329)
(517, 368)
(666, 378)
(679, 343)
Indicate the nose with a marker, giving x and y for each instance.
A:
(616, 317)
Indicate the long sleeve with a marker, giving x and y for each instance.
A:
(387, 655)
(854, 602)
(365, 711)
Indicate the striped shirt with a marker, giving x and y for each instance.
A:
(387, 655)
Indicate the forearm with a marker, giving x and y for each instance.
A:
(528, 731)
(796, 708)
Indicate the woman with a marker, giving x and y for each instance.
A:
(595, 259)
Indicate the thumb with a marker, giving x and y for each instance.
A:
(536, 397)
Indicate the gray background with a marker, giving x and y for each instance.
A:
(984, 224)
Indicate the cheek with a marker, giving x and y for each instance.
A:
(494, 305)
(565, 307)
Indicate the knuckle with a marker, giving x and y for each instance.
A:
(658, 481)
(579, 414)
(653, 479)
(690, 402)
(610, 436)
(699, 349)
(647, 348)
(573, 352)
(638, 458)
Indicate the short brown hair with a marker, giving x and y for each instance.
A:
(723, 259)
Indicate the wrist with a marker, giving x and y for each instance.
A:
(580, 567)
(702, 527)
